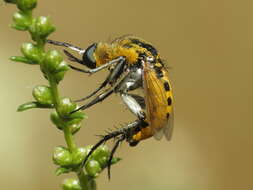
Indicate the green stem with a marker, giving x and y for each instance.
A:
(41, 44)
(86, 182)
(69, 139)
(67, 133)
(55, 92)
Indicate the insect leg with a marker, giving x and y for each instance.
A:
(94, 92)
(91, 71)
(111, 78)
(116, 145)
(139, 99)
(125, 131)
(131, 82)
(103, 140)
(72, 58)
(133, 105)
(64, 44)
(99, 98)
(103, 95)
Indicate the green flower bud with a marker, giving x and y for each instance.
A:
(101, 155)
(41, 27)
(78, 115)
(66, 106)
(54, 64)
(51, 61)
(74, 128)
(11, 1)
(31, 52)
(71, 184)
(56, 120)
(75, 120)
(78, 155)
(88, 148)
(93, 168)
(61, 70)
(21, 21)
(62, 156)
(43, 94)
(104, 161)
(26, 5)
(63, 66)
(73, 124)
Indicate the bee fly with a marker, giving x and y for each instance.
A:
(133, 64)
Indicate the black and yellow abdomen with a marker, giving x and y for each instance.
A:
(159, 103)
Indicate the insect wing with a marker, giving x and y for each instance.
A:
(156, 101)
(168, 129)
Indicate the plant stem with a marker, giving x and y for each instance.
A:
(69, 139)
(67, 133)
(55, 91)
(85, 182)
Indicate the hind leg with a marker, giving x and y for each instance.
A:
(123, 133)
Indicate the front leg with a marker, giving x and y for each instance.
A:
(67, 45)
(91, 71)
(110, 79)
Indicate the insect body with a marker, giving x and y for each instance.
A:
(133, 64)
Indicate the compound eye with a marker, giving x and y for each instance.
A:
(88, 56)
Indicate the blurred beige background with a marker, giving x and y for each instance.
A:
(209, 45)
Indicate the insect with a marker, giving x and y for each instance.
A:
(133, 64)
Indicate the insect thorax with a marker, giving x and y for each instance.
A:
(132, 48)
